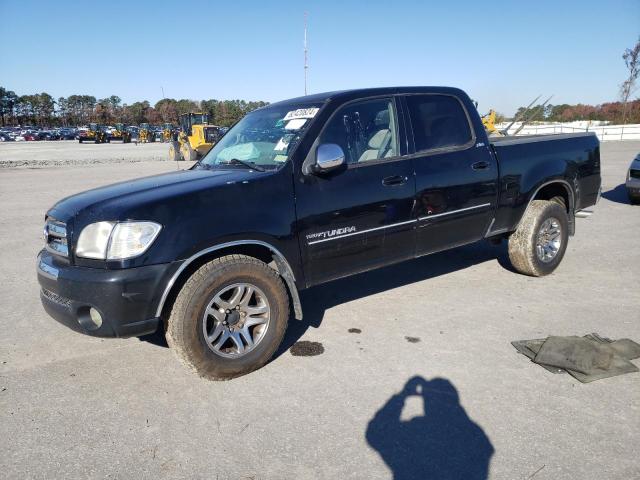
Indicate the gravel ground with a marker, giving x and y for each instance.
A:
(345, 405)
(70, 152)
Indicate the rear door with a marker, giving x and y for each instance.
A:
(456, 176)
(359, 217)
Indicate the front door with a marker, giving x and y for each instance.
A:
(456, 177)
(359, 217)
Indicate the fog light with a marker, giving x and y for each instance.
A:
(96, 318)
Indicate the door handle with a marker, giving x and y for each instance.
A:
(394, 180)
(481, 165)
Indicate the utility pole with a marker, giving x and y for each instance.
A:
(306, 65)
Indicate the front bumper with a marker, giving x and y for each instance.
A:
(126, 299)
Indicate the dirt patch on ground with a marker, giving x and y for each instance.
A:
(305, 348)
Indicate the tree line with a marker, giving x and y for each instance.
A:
(42, 109)
(613, 112)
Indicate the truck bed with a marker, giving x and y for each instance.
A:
(570, 158)
(521, 139)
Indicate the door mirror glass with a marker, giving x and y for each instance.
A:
(329, 156)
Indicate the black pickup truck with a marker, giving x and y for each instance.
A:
(296, 194)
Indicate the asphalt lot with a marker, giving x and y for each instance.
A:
(70, 152)
(78, 407)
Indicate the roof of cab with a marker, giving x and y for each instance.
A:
(366, 92)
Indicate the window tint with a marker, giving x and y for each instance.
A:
(438, 121)
(365, 130)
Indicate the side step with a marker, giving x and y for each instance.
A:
(584, 213)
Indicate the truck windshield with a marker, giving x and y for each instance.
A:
(263, 138)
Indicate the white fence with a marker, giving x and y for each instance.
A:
(603, 132)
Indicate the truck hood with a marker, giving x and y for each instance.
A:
(116, 201)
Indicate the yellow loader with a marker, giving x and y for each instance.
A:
(96, 133)
(195, 138)
(145, 134)
(121, 133)
(489, 122)
(167, 132)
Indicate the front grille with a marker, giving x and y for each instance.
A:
(634, 173)
(55, 237)
(54, 297)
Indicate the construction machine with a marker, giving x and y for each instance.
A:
(195, 137)
(145, 134)
(167, 132)
(489, 122)
(121, 133)
(526, 116)
(95, 133)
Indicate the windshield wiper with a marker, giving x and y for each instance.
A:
(237, 161)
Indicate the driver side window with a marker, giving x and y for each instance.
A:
(366, 131)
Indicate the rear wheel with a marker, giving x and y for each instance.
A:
(537, 247)
(633, 199)
(229, 317)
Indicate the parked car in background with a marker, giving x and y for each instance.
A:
(68, 133)
(633, 181)
(48, 135)
(30, 136)
(134, 131)
(5, 137)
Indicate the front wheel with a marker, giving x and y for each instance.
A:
(188, 153)
(538, 245)
(229, 317)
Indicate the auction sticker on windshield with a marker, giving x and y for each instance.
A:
(301, 113)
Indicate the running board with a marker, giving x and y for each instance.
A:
(584, 213)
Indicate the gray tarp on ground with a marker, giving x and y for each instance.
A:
(587, 358)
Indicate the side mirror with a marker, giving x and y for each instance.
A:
(329, 156)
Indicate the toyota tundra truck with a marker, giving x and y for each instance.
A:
(296, 194)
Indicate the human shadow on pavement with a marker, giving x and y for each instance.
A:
(617, 195)
(317, 300)
(442, 444)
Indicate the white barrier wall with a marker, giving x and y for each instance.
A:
(603, 132)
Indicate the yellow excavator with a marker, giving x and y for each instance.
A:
(195, 137)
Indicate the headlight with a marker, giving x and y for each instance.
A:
(131, 239)
(94, 239)
(116, 241)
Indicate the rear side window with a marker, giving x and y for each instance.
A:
(438, 121)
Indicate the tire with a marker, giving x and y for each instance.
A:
(80, 140)
(174, 152)
(633, 200)
(530, 256)
(189, 321)
(188, 153)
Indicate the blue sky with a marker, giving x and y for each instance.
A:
(502, 53)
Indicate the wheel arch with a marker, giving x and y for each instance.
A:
(551, 190)
(255, 248)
